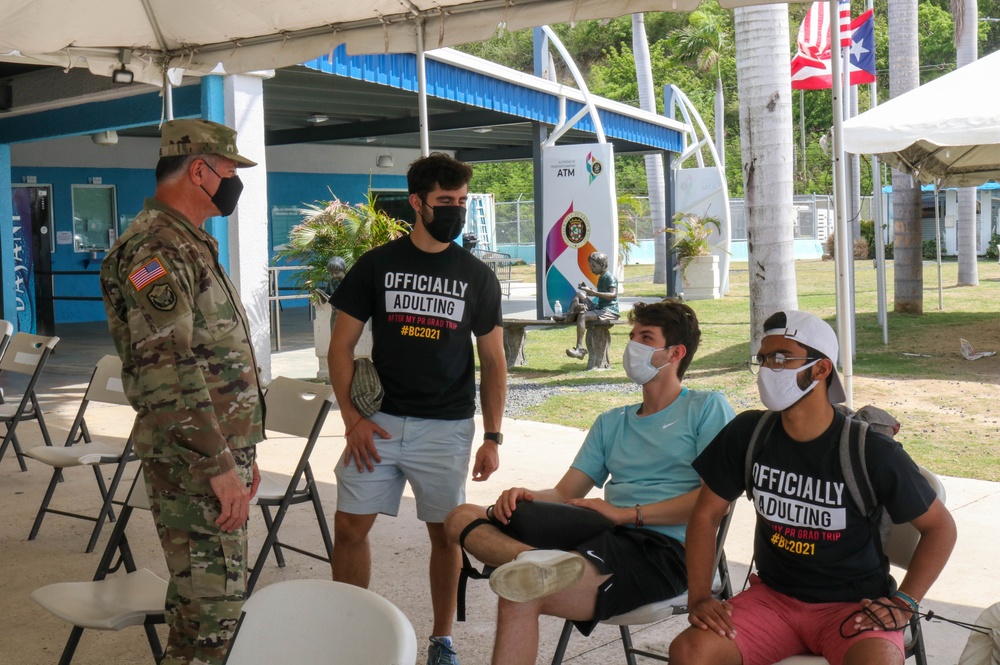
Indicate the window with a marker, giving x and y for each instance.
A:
(94, 217)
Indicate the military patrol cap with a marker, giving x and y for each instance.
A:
(200, 137)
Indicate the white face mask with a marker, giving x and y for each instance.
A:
(779, 390)
(638, 361)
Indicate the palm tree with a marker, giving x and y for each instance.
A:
(765, 93)
(966, 13)
(702, 42)
(904, 75)
(654, 163)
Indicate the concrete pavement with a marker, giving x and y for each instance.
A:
(533, 455)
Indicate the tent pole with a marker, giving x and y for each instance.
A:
(168, 98)
(843, 235)
(425, 142)
(937, 244)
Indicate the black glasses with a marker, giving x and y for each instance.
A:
(773, 361)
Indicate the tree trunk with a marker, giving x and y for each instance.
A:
(966, 13)
(904, 75)
(765, 93)
(654, 163)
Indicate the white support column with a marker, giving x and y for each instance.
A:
(248, 229)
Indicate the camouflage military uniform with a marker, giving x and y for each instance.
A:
(190, 373)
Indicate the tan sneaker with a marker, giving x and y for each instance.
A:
(536, 573)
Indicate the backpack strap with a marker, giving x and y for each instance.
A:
(756, 445)
(853, 438)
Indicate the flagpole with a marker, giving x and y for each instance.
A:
(845, 82)
(883, 306)
(843, 253)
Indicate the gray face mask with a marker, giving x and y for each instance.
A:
(638, 362)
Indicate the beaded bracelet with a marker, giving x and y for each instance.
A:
(906, 598)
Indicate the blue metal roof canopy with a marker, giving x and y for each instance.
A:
(461, 78)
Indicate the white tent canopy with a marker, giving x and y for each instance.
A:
(235, 36)
(946, 131)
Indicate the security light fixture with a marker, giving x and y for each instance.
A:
(483, 130)
(383, 161)
(108, 137)
(317, 118)
(122, 76)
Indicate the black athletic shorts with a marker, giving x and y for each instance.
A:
(645, 567)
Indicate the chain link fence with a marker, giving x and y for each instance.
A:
(515, 220)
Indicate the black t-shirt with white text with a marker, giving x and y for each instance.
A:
(811, 541)
(425, 309)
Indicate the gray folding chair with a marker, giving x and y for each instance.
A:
(111, 602)
(81, 450)
(899, 547)
(25, 354)
(722, 588)
(297, 408)
(6, 330)
(316, 622)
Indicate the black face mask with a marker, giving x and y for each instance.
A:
(228, 193)
(447, 222)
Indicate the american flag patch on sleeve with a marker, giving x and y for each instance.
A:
(145, 274)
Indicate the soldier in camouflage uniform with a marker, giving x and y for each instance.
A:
(190, 373)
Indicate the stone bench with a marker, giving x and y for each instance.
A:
(598, 339)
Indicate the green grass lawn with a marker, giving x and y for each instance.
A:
(949, 407)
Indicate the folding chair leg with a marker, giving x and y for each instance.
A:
(269, 523)
(42, 509)
(324, 528)
(104, 492)
(41, 421)
(109, 495)
(627, 644)
(557, 657)
(269, 542)
(71, 644)
(154, 642)
(11, 440)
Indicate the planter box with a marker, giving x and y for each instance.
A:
(321, 333)
(700, 278)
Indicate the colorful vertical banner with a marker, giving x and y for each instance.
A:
(580, 216)
(24, 270)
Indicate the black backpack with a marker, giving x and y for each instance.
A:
(852, 461)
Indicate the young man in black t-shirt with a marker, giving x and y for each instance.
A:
(426, 297)
(822, 585)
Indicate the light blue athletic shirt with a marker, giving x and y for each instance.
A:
(649, 457)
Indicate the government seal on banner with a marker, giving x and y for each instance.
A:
(576, 229)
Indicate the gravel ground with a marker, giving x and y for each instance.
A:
(522, 396)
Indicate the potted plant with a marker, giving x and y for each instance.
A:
(693, 252)
(332, 229)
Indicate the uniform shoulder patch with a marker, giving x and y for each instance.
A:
(162, 297)
(146, 273)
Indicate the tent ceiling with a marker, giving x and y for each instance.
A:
(247, 35)
(946, 131)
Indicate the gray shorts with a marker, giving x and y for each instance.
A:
(432, 455)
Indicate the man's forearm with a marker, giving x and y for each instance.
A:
(700, 556)
(341, 364)
(493, 393)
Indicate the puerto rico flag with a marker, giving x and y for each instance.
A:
(811, 64)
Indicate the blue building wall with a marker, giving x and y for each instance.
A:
(131, 188)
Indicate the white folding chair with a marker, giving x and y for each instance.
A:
(899, 547)
(111, 603)
(316, 622)
(297, 408)
(25, 354)
(651, 613)
(81, 450)
(6, 330)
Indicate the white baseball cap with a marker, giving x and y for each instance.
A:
(810, 330)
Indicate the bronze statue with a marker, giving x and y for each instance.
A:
(592, 305)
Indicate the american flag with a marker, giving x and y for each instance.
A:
(845, 23)
(145, 274)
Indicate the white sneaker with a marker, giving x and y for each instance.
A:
(536, 573)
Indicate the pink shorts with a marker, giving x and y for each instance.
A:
(771, 626)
